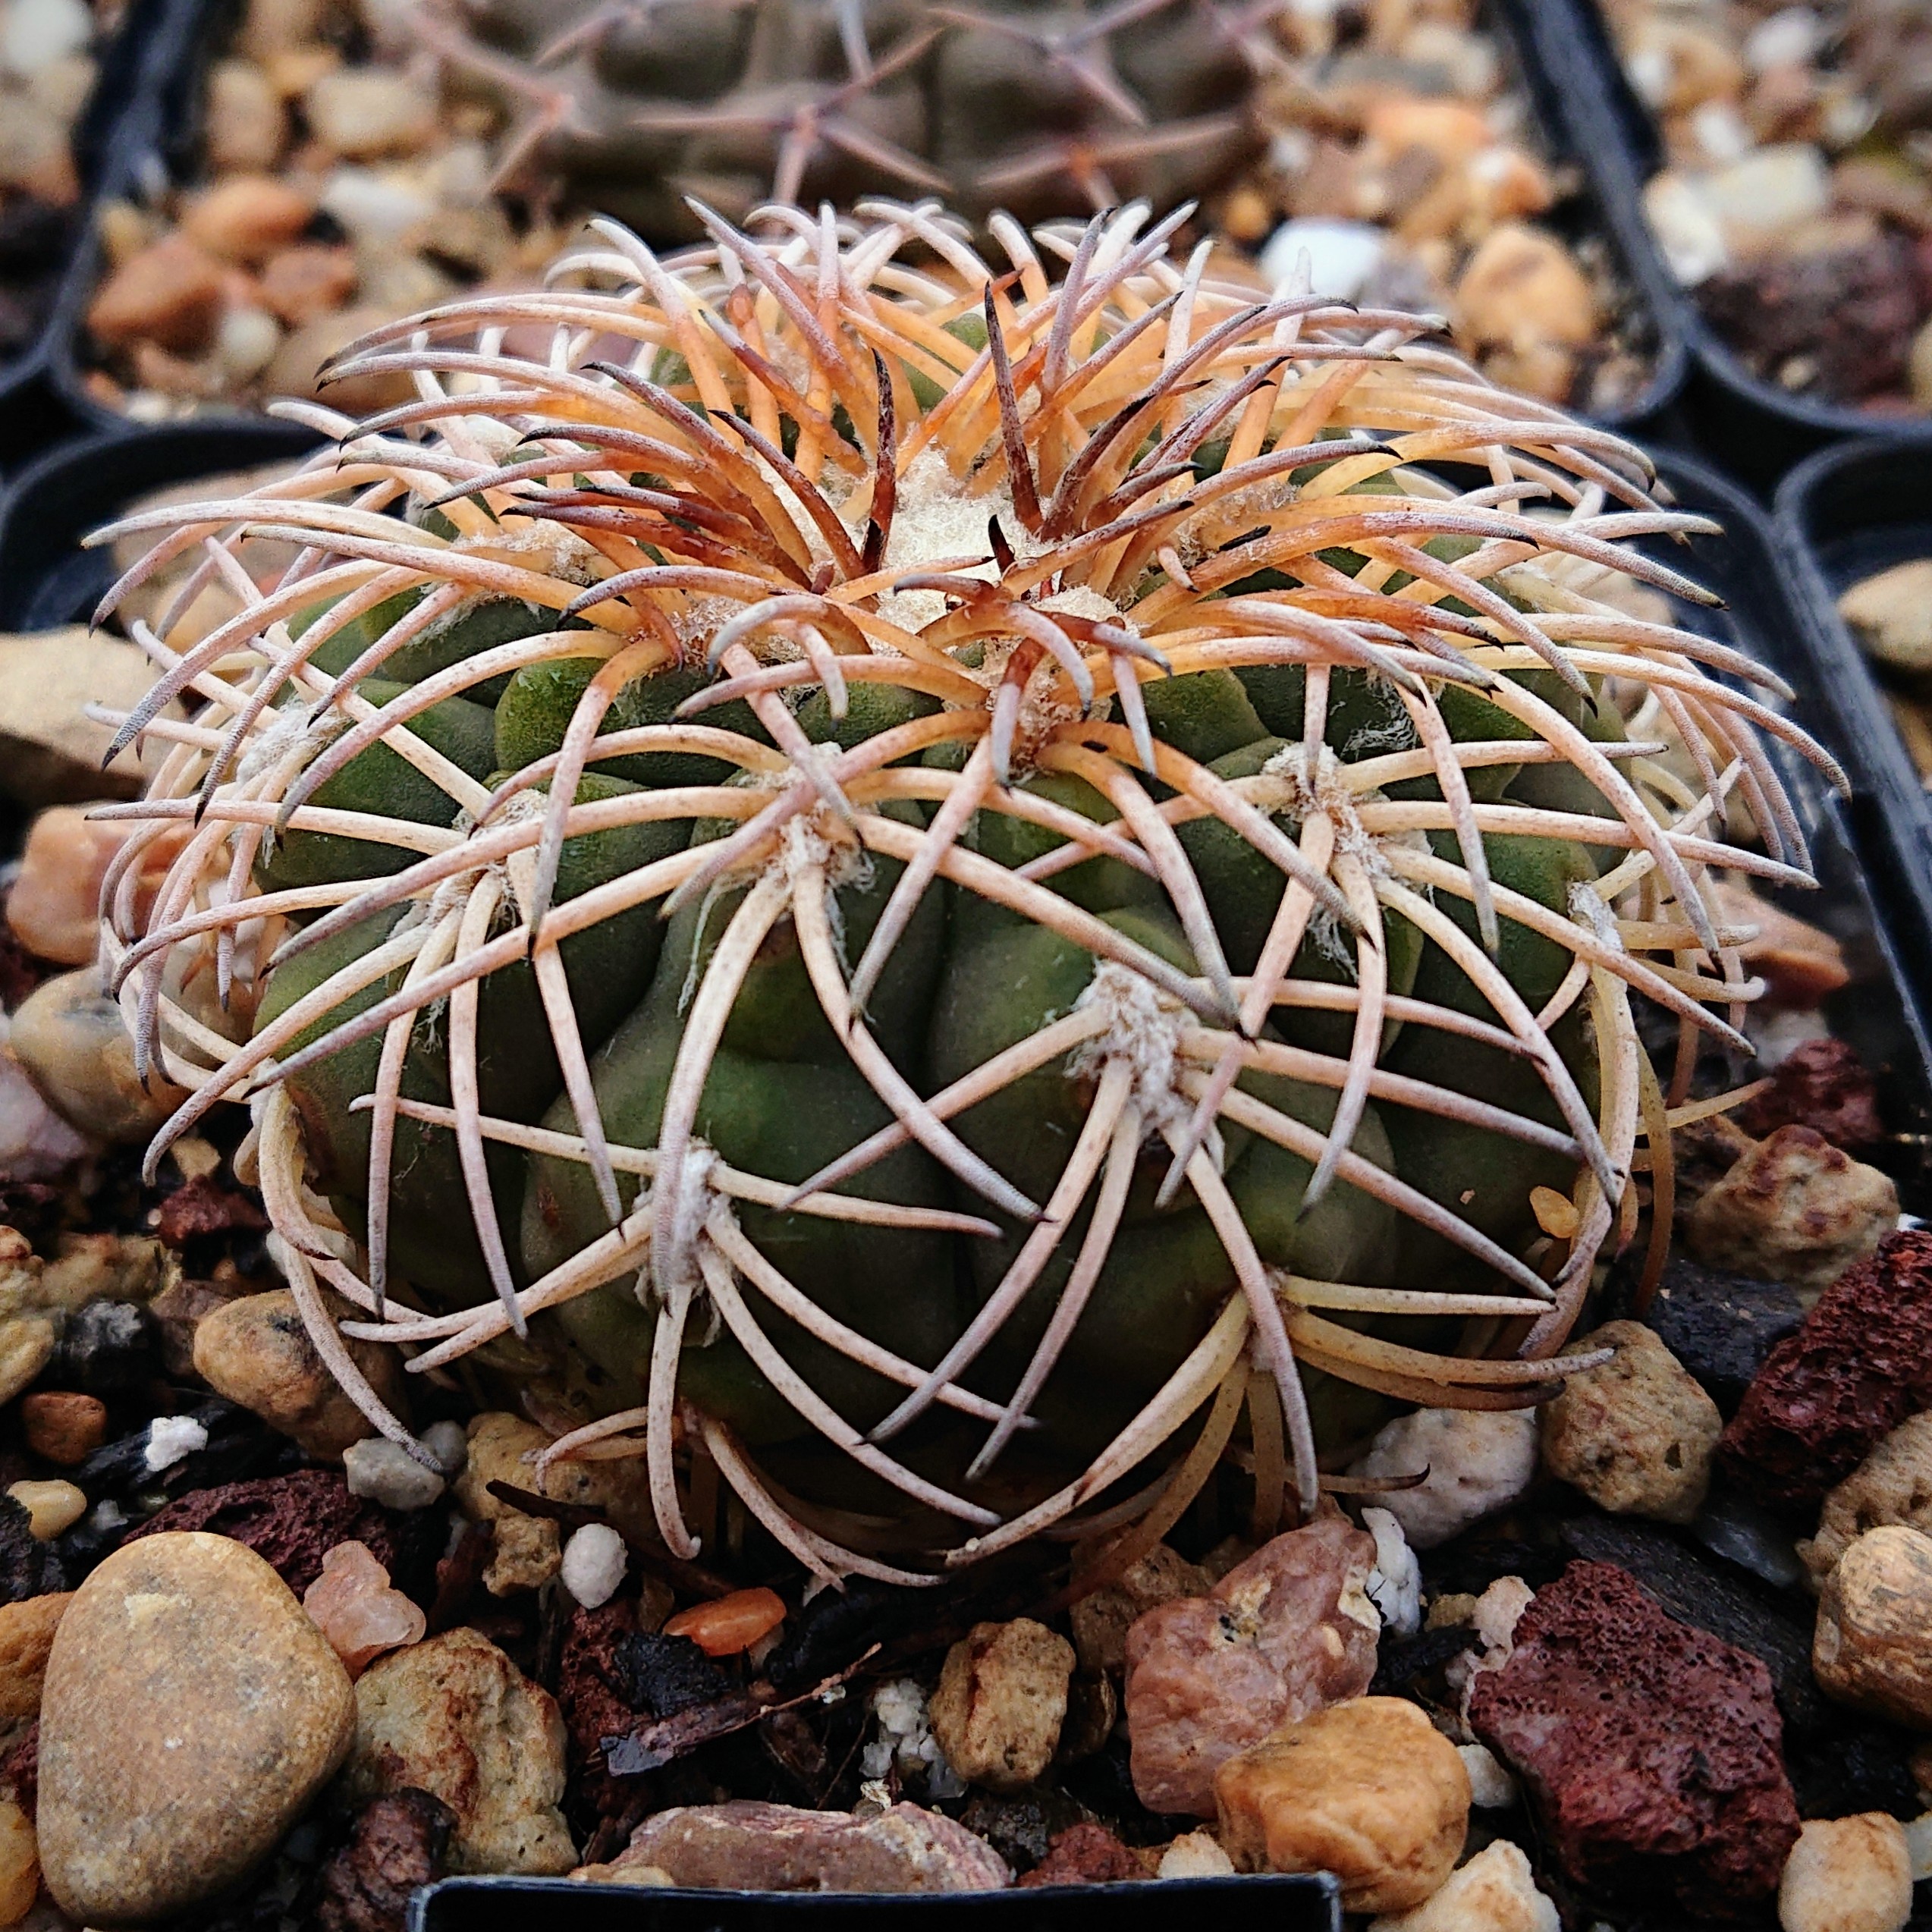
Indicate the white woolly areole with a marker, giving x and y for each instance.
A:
(1144, 1029)
(677, 1272)
(289, 730)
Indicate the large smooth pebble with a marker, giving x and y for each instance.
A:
(191, 1712)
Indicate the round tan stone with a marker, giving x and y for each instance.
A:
(191, 1712)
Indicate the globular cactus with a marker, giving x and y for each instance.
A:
(933, 870)
(633, 104)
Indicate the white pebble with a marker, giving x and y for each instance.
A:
(449, 1445)
(376, 206)
(1395, 1583)
(1341, 256)
(36, 33)
(594, 1561)
(35, 1144)
(1495, 1891)
(1719, 131)
(1686, 226)
(1788, 38)
(1195, 1855)
(1847, 1875)
(387, 1473)
(1477, 1461)
(1491, 1789)
(172, 1438)
(1918, 1847)
(246, 340)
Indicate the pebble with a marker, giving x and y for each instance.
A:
(453, 1716)
(1873, 1648)
(26, 1635)
(1395, 1584)
(361, 113)
(71, 1038)
(1821, 1083)
(173, 1439)
(50, 753)
(247, 123)
(906, 1742)
(446, 1441)
(1741, 1531)
(245, 343)
(169, 293)
(27, 1343)
(376, 207)
(1524, 304)
(1918, 1843)
(303, 284)
(1891, 615)
(53, 904)
(1368, 1789)
(51, 1506)
(191, 1713)
(246, 218)
(396, 1845)
(1491, 1788)
(1195, 1854)
(297, 364)
(1495, 1891)
(1001, 1701)
(1894, 1484)
(1826, 1396)
(387, 1473)
(1847, 1875)
(593, 1565)
(1280, 1636)
(1101, 1619)
(1341, 256)
(88, 1268)
(108, 1347)
(1721, 1326)
(1477, 1460)
(1650, 1750)
(1637, 1434)
(1794, 1208)
(732, 1625)
(20, 1864)
(354, 1606)
(748, 1845)
(1769, 190)
(35, 34)
(257, 1351)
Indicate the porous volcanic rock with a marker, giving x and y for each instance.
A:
(1651, 1751)
(1860, 1364)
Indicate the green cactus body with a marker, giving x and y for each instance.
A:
(913, 1136)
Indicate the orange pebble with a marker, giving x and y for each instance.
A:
(727, 1624)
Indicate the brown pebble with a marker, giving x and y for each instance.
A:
(170, 293)
(63, 1425)
(302, 283)
(246, 218)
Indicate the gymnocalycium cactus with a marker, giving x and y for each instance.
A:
(931, 869)
(635, 104)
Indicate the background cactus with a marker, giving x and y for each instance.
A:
(635, 105)
(933, 871)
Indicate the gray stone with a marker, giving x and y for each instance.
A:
(1722, 1326)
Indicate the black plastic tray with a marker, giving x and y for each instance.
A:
(1757, 431)
(515, 1904)
(40, 400)
(45, 578)
(1842, 515)
(194, 32)
(1882, 1012)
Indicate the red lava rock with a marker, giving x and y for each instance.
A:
(1652, 1751)
(20, 1770)
(1823, 1085)
(1282, 1635)
(204, 1206)
(589, 1693)
(397, 1844)
(1859, 1364)
(290, 1521)
(1085, 1854)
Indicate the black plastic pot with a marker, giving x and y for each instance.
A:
(45, 577)
(1754, 429)
(1842, 515)
(196, 31)
(513, 1904)
(1859, 900)
(37, 404)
